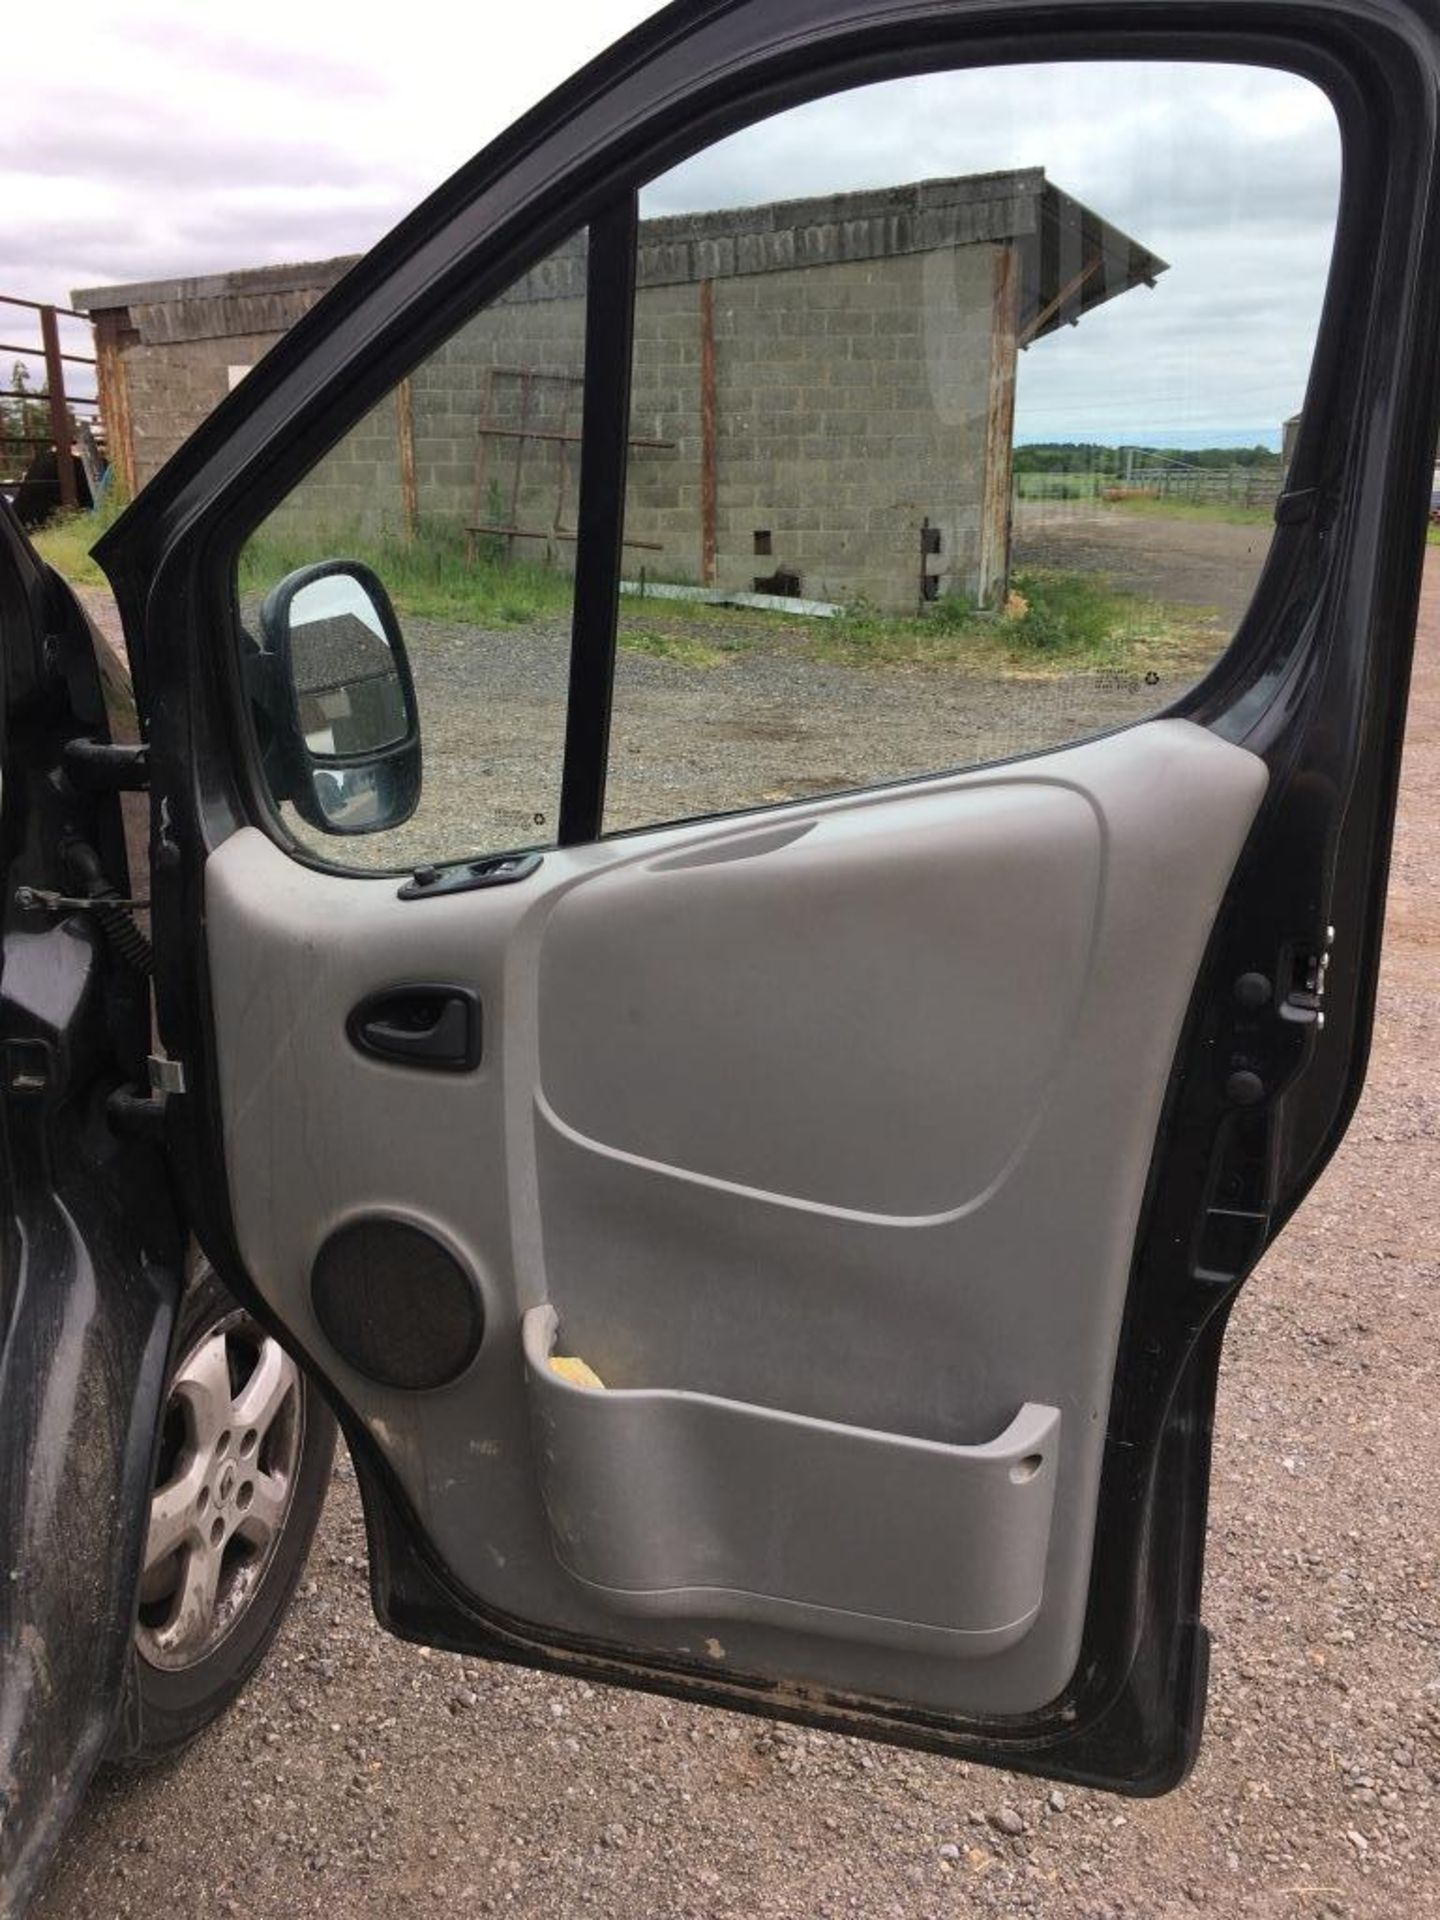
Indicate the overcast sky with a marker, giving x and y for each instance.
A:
(301, 131)
(173, 140)
(1229, 174)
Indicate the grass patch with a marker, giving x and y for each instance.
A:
(684, 649)
(427, 577)
(65, 540)
(697, 633)
(432, 578)
(1055, 622)
(1223, 513)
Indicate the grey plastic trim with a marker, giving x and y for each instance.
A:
(868, 1019)
(674, 1503)
(931, 1296)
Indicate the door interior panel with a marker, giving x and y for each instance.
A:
(838, 1122)
(790, 1024)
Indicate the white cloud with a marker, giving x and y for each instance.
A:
(178, 148)
(167, 146)
(1230, 174)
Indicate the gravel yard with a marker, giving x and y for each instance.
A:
(767, 717)
(766, 721)
(362, 1777)
(1203, 563)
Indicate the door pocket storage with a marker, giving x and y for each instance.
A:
(678, 1503)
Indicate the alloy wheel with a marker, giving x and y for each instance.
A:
(229, 1449)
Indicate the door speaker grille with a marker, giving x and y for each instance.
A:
(397, 1304)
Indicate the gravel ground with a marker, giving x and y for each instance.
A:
(767, 722)
(1200, 563)
(361, 1777)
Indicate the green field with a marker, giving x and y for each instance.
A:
(1061, 486)
(1219, 512)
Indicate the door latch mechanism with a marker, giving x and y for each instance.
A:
(44, 900)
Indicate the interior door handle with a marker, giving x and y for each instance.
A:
(420, 1026)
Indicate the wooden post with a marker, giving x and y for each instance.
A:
(405, 426)
(60, 427)
(512, 517)
(110, 328)
(999, 479)
(707, 434)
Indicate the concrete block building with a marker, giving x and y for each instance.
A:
(822, 394)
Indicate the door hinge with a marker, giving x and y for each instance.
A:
(130, 1111)
(1309, 969)
(166, 1076)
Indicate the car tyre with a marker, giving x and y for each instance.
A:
(243, 1462)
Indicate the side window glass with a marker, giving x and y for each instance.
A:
(960, 408)
(406, 608)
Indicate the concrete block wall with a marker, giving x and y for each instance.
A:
(851, 405)
(165, 349)
(173, 386)
(864, 349)
(662, 489)
(175, 343)
(462, 477)
(356, 488)
(465, 477)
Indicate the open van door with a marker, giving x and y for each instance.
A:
(878, 1151)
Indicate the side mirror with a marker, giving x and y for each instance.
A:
(342, 701)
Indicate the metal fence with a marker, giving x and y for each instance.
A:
(1131, 475)
(70, 418)
(1198, 486)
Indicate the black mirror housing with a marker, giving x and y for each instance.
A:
(346, 723)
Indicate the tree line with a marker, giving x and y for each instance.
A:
(24, 418)
(1088, 456)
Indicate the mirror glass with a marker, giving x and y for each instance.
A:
(358, 799)
(459, 492)
(348, 692)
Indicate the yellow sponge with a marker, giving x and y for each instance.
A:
(578, 1372)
